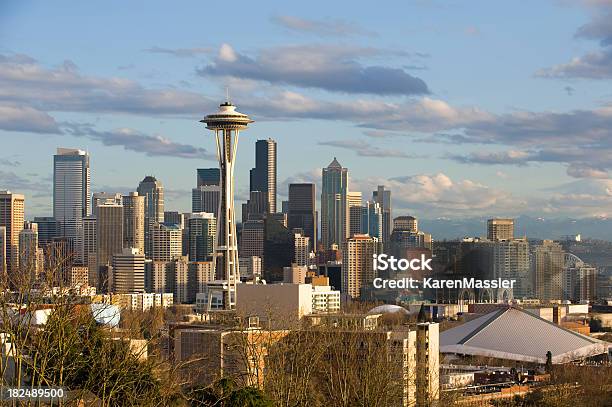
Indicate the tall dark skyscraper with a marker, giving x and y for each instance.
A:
(302, 211)
(383, 198)
(334, 205)
(48, 229)
(263, 176)
(256, 207)
(209, 176)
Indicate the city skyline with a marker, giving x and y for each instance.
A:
(447, 142)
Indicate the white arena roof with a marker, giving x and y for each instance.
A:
(514, 334)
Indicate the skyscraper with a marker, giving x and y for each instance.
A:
(355, 204)
(202, 233)
(102, 198)
(129, 271)
(302, 212)
(226, 123)
(71, 189)
(263, 175)
(252, 239)
(334, 205)
(48, 229)
(109, 238)
(167, 242)
(12, 217)
(357, 266)
(256, 206)
(383, 198)
(208, 176)
(205, 197)
(500, 229)
(372, 220)
(134, 221)
(153, 191)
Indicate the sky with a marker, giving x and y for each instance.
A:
(462, 109)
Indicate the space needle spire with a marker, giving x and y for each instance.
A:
(226, 124)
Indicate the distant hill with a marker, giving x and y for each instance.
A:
(536, 228)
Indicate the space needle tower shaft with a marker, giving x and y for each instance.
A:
(226, 125)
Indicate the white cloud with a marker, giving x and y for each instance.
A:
(327, 67)
(227, 53)
(26, 119)
(323, 28)
(26, 82)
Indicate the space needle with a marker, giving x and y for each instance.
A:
(226, 124)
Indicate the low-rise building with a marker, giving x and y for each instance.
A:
(325, 300)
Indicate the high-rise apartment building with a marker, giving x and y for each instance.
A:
(90, 238)
(357, 266)
(129, 271)
(301, 248)
(134, 221)
(158, 277)
(30, 255)
(202, 235)
(383, 198)
(263, 175)
(204, 272)
(2, 249)
(167, 242)
(12, 217)
(71, 193)
(579, 280)
(190, 278)
(500, 229)
(549, 262)
(302, 213)
(511, 261)
(355, 204)
(153, 191)
(334, 205)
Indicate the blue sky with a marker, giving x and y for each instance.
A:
(461, 108)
